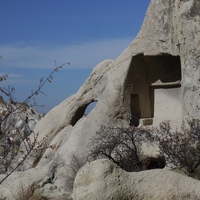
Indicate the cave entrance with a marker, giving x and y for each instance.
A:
(154, 88)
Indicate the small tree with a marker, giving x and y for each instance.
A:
(181, 149)
(120, 145)
(13, 108)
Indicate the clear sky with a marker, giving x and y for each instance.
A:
(34, 33)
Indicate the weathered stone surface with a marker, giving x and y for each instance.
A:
(51, 192)
(102, 179)
(163, 58)
(18, 180)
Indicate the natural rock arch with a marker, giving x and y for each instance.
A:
(80, 112)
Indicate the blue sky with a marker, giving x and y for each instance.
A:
(34, 33)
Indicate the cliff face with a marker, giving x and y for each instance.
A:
(156, 78)
(171, 28)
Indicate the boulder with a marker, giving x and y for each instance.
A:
(102, 179)
(20, 181)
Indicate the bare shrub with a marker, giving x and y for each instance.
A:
(24, 192)
(181, 149)
(120, 145)
(10, 111)
(194, 128)
(27, 192)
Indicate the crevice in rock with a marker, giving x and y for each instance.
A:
(154, 163)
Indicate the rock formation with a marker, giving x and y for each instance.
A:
(155, 78)
(111, 182)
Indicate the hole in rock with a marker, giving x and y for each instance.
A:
(90, 107)
(82, 111)
(153, 163)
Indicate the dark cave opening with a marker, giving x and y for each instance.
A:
(149, 78)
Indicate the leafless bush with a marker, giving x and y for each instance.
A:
(10, 145)
(27, 192)
(194, 130)
(24, 192)
(181, 149)
(120, 145)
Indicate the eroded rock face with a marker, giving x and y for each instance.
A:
(20, 181)
(163, 59)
